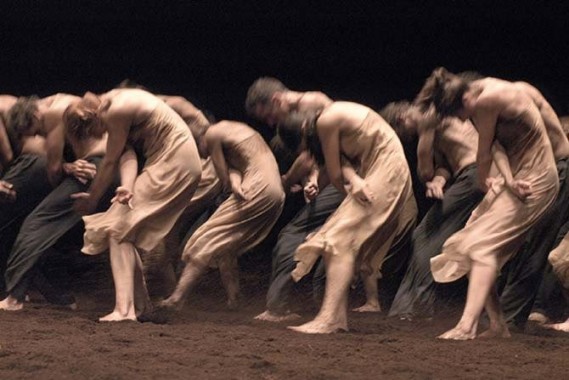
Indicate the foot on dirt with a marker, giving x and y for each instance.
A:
(270, 317)
(559, 326)
(538, 318)
(457, 334)
(368, 308)
(316, 327)
(115, 316)
(11, 304)
(498, 331)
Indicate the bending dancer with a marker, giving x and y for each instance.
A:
(378, 208)
(146, 205)
(54, 216)
(165, 260)
(25, 180)
(246, 166)
(269, 101)
(526, 269)
(503, 113)
(451, 182)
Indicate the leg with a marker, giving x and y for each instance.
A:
(371, 290)
(229, 271)
(192, 271)
(482, 279)
(333, 315)
(124, 261)
(498, 326)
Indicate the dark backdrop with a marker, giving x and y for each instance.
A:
(210, 51)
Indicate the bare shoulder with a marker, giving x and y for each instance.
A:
(341, 114)
(6, 102)
(134, 105)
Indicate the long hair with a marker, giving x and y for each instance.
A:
(444, 90)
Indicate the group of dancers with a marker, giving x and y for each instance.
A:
(139, 173)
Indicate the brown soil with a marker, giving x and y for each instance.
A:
(207, 341)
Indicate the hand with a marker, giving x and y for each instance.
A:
(123, 196)
(7, 192)
(435, 189)
(83, 204)
(83, 170)
(311, 190)
(360, 190)
(237, 190)
(295, 188)
(521, 189)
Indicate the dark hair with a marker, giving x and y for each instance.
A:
(444, 90)
(392, 114)
(21, 115)
(293, 126)
(261, 92)
(129, 83)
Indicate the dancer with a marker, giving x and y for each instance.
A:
(54, 216)
(246, 166)
(501, 112)
(379, 206)
(451, 182)
(147, 205)
(526, 269)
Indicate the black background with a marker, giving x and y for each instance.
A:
(211, 51)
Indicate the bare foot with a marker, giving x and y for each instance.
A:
(317, 327)
(169, 304)
(538, 318)
(270, 317)
(368, 308)
(497, 331)
(559, 326)
(458, 334)
(115, 316)
(233, 304)
(11, 304)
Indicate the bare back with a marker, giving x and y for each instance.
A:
(457, 142)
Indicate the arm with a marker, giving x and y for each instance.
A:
(329, 135)
(117, 136)
(235, 181)
(215, 148)
(435, 187)
(486, 115)
(521, 189)
(425, 155)
(300, 168)
(128, 172)
(54, 142)
(6, 154)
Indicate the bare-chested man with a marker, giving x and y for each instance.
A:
(451, 181)
(54, 216)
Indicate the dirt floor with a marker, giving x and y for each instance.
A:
(205, 340)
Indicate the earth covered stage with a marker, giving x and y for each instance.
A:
(205, 340)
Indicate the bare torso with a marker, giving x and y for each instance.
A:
(457, 142)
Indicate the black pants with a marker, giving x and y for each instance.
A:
(416, 295)
(28, 175)
(523, 274)
(307, 220)
(42, 228)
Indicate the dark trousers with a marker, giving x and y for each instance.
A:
(523, 274)
(307, 220)
(42, 228)
(28, 175)
(416, 295)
